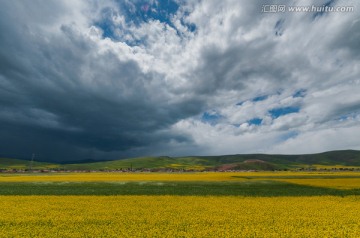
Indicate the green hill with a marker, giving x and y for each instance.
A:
(332, 159)
(18, 164)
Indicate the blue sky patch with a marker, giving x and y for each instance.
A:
(142, 11)
(259, 98)
(348, 116)
(211, 118)
(240, 103)
(106, 24)
(289, 135)
(300, 93)
(279, 27)
(278, 112)
(320, 9)
(255, 121)
(137, 12)
(255, 99)
(343, 118)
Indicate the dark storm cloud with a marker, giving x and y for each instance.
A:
(60, 98)
(235, 67)
(349, 38)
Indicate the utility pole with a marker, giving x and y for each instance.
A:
(32, 161)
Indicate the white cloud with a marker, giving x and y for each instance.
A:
(320, 140)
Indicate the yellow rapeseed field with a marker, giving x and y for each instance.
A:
(200, 176)
(99, 177)
(338, 183)
(178, 216)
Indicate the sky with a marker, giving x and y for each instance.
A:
(91, 79)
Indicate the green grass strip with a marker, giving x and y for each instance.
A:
(250, 188)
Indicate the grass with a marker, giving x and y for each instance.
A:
(265, 184)
(259, 188)
(253, 189)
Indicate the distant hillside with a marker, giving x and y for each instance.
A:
(332, 159)
(6, 163)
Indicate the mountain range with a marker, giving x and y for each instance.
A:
(344, 159)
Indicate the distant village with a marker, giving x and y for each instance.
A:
(166, 170)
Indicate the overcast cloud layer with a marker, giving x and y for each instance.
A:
(115, 79)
